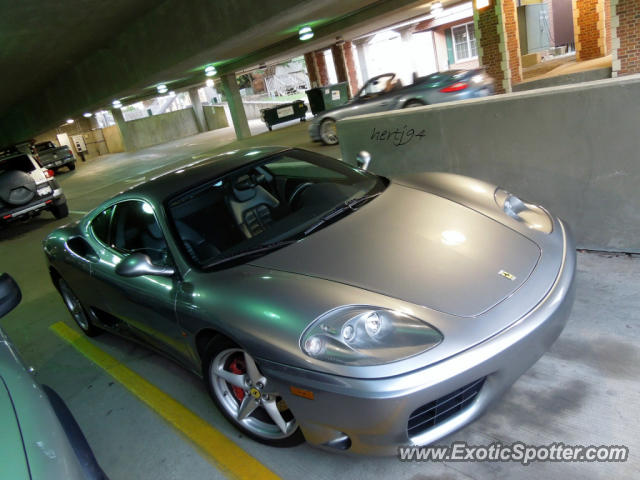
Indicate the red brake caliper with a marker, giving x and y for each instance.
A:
(237, 366)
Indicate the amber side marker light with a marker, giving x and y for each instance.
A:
(301, 392)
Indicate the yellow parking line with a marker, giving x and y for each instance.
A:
(231, 459)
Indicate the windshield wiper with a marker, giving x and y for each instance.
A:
(352, 205)
(251, 251)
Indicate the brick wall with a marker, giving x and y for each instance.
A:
(589, 28)
(625, 37)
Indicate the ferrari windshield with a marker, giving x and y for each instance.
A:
(267, 204)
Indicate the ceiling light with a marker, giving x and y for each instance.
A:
(162, 88)
(305, 33)
(87, 114)
(210, 71)
(70, 120)
(209, 82)
(117, 104)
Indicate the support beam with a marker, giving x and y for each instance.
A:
(498, 43)
(345, 65)
(196, 104)
(589, 29)
(127, 141)
(312, 69)
(323, 73)
(234, 100)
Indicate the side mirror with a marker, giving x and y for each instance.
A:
(363, 159)
(10, 294)
(138, 264)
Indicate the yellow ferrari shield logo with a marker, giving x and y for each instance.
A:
(506, 274)
(255, 393)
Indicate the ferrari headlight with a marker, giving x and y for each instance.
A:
(361, 335)
(533, 216)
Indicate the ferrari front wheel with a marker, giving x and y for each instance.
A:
(246, 398)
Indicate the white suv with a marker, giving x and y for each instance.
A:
(26, 188)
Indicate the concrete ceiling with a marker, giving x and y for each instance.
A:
(61, 58)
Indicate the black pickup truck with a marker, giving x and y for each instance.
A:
(54, 157)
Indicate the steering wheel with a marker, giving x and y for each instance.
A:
(296, 192)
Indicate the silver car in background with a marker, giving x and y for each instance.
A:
(319, 301)
(385, 92)
(39, 438)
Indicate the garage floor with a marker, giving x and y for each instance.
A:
(584, 391)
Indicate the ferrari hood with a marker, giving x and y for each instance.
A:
(416, 247)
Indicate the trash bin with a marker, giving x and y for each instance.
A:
(284, 113)
(326, 98)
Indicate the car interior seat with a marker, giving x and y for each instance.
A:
(251, 205)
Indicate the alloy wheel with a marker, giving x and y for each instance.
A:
(247, 397)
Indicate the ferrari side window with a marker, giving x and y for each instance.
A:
(135, 229)
(100, 225)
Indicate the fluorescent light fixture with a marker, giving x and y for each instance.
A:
(209, 82)
(70, 120)
(162, 88)
(117, 104)
(87, 114)
(210, 71)
(305, 33)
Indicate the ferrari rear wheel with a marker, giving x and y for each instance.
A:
(329, 132)
(245, 397)
(76, 309)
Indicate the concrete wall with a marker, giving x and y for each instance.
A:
(215, 116)
(113, 139)
(574, 149)
(162, 128)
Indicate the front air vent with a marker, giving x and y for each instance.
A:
(438, 411)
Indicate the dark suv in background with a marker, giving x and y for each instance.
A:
(27, 188)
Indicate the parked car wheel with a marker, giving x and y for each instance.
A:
(328, 132)
(60, 211)
(72, 166)
(413, 103)
(76, 309)
(245, 398)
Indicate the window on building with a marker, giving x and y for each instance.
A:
(464, 42)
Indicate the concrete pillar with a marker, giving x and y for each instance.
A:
(323, 73)
(345, 65)
(312, 69)
(234, 100)
(196, 104)
(589, 28)
(125, 133)
(625, 37)
(498, 42)
(362, 61)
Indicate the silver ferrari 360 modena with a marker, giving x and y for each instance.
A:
(319, 301)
